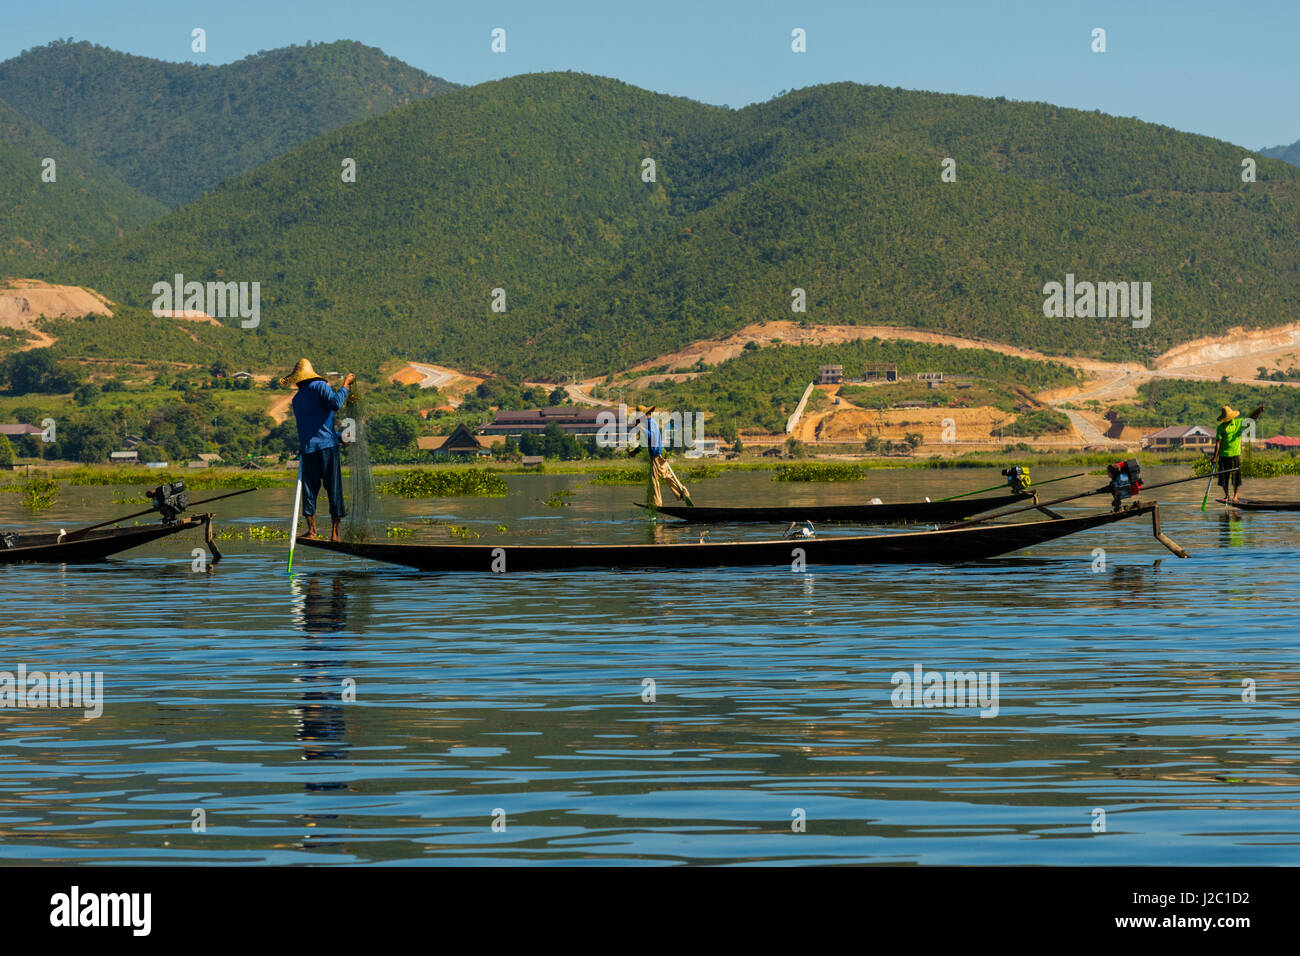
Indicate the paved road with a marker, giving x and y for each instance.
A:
(579, 396)
(433, 377)
(1089, 432)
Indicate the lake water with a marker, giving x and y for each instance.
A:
(522, 699)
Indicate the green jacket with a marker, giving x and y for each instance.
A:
(1229, 434)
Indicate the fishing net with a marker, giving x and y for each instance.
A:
(361, 486)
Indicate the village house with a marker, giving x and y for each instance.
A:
(875, 372)
(461, 443)
(19, 431)
(1182, 438)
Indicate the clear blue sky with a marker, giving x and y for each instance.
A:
(1223, 69)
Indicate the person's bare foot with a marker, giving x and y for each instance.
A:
(334, 530)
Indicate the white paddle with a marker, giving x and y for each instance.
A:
(293, 521)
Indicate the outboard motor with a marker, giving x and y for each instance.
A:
(169, 500)
(1125, 480)
(1017, 478)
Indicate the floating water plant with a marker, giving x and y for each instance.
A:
(818, 471)
(557, 499)
(448, 483)
(621, 476)
(37, 494)
(267, 533)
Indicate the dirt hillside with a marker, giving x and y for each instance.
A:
(24, 301)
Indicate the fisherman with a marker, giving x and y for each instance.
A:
(314, 406)
(659, 467)
(1227, 444)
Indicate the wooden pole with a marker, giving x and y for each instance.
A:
(1214, 457)
(967, 494)
(1104, 490)
(1161, 536)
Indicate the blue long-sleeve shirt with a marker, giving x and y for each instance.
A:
(654, 438)
(313, 409)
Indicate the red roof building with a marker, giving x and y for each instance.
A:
(1282, 443)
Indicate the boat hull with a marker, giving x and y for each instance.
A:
(902, 512)
(1264, 505)
(920, 547)
(91, 547)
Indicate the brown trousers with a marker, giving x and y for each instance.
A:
(660, 470)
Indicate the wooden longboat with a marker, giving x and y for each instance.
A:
(918, 547)
(902, 512)
(87, 547)
(1246, 505)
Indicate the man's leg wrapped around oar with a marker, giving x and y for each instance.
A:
(660, 470)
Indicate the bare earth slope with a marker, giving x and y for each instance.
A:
(24, 301)
(1238, 355)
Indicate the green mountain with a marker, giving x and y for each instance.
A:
(84, 205)
(174, 130)
(1290, 154)
(532, 185)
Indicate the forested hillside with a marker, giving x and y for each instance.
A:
(84, 204)
(532, 185)
(1166, 402)
(174, 130)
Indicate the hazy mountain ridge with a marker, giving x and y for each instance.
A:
(174, 130)
(1289, 154)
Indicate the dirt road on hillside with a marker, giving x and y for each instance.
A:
(578, 394)
(279, 407)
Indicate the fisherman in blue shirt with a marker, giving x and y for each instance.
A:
(660, 470)
(314, 406)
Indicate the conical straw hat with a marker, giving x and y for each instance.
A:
(302, 372)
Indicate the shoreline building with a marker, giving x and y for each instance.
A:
(1282, 443)
(516, 424)
(1177, 437)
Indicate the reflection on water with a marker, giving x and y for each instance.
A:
(1131, 581)
(321, 724)
(1232, 530)
(1122, 687)
(321, 608)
